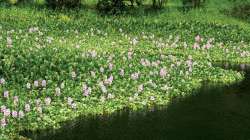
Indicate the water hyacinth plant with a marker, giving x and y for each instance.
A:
(55, 71)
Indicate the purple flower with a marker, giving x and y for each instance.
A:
(28, 85)
(36, 84)
(163, 72)
(103, 88)
(87, 92)
(58, 91)
(38, 101)
(110, 66)
(130, 53)
(21, 114)
(196, 46)
(93, 54)
(135, 76)
(73, 105)
(152, 98)
(6, 112)
(15, 100)
(27, 108)
(39, 109)
(102, 70)
(47, 101)
(3, 122)
(110, 96)
(121, 72)
(44, 83)
(70, 100)
(6, 94)
(3, 108)
(109, 80)
(198, 38)
(140, 88)
(14, 114)
(2, 81)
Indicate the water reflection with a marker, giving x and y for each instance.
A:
(221, 112)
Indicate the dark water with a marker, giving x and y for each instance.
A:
(213, 113)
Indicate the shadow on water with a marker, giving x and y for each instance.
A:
(215, 112)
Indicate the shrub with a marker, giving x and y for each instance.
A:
(110, 6)
(63, 3)
(241, 11)
(158, 3)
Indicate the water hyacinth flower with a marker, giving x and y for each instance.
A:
(36, 83)
(15, 100)
(62, 85)
(134, 41)
(6, 112)
(103, 88)
(39, 109)
(38, 101)
(109, 80)
(163, 72)
(152, 98)
(58, 91)
(110, 66)
(2, 81)
(86, 90)
(3, 122)
(3, 108)
(102, 70)
(28, 86)
(135, 76)
(73, 105)
(27, 108)
(121, 72)
(44, 83)
(14, 114)
(198, 38)
(140, 88)
(196, 46)
(110, 96)
(47, 101)
(130, 53)
(93, 54)
(21, 114)
(6, 94)
(70, 101)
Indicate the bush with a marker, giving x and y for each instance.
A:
(158, 3)
(111, 6)
(63, 3)
(241, 11)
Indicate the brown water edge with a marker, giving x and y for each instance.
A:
(212, 112)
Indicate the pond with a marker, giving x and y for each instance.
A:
(213, 112)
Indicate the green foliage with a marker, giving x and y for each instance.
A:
(12, 2)
(63, 3)
(158, 3)
(110, 6)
